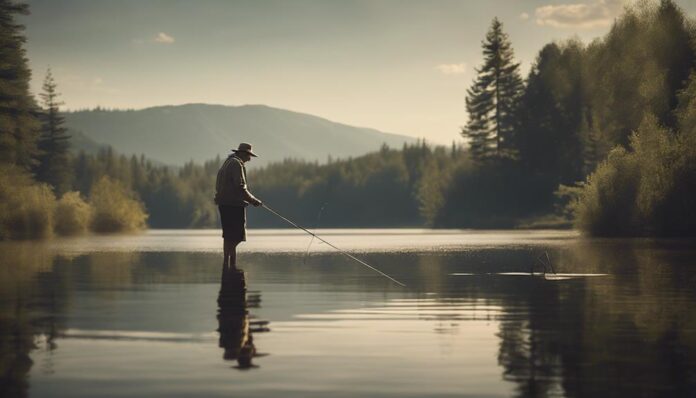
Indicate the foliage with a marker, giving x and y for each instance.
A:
(552, 116)
(173, 197)
(26, 207)
(582, 101)
(606, 205)
(638, 69)
(649, 190)
(384, 188)
(686, 109)
(493, 98)
(19, 127)
(116, 208)
(492, 195)
(569, 116)
(53, 166)
(579, 102)
(73, 215)
(436, 179)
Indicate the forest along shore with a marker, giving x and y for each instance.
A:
(601, 135)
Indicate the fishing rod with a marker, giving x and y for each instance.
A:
(265, 206)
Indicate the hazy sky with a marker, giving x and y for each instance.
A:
(398, 66)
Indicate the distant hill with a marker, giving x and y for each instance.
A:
(177, 134)
(80, 142)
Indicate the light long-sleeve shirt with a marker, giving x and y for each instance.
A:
(231, 186)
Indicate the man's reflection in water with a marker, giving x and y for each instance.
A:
(236, 325)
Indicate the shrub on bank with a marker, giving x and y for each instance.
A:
(116, 209)
(72, 215)
(29, 210)
(649, 190)
(606, 203)
(26, 207)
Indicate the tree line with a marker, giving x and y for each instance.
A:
(599, 134)
(36, 176)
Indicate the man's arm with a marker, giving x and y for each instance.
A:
(240, 181)
(247, 195)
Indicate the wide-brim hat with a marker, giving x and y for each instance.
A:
(244, 147)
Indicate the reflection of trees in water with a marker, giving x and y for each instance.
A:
(639, 324)
(26, 317)
(529, 309)
(236, 326)
(36, 288)
(528, 353)
(630, 334)
(16, 341)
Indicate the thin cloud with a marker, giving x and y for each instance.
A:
(524, 16)
(163, 38)
(594, 14)
(452, 69)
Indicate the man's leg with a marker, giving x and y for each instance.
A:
(233, 255)
(226, 245)
(229, 251)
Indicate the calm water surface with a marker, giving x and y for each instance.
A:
(150, 315)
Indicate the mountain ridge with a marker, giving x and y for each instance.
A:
(175, 134)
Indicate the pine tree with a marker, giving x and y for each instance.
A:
(493, 99)
(19, 127)
(554, 133)
(54, 144)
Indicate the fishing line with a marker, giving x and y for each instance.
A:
(330, 244)
(546, 265)
(304, 262)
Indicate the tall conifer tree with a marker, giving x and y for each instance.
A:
(54, 159)
(19, 127)
(493, 99)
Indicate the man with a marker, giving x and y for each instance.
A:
(232, 196)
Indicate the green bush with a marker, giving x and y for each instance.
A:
(72, 215)
(647, 191)
(606, 204)
(116, 209)
(26, 207)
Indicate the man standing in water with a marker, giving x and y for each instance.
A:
(232, 197)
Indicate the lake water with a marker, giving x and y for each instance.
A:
(149, 315)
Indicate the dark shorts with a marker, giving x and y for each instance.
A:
(233, 220)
